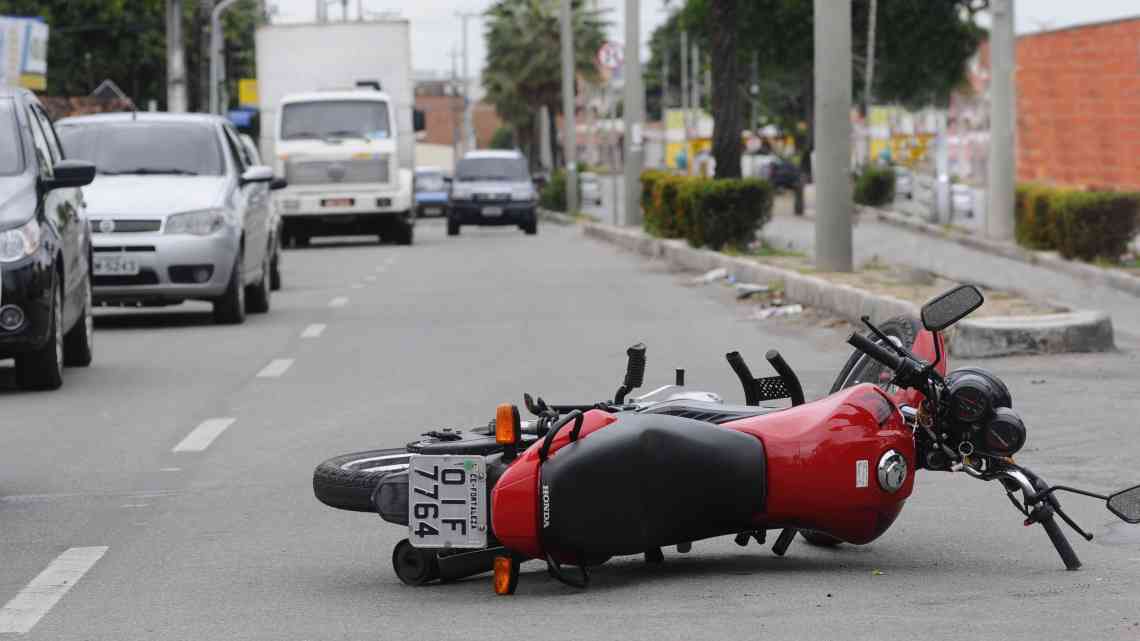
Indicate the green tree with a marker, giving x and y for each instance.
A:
(503, 138)
(523, 68)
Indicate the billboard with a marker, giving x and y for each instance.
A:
(23, 53)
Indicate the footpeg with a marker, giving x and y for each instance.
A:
(785, 539)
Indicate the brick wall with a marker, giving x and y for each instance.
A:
(1078, 106)
(443, 113)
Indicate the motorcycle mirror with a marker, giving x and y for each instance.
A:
(951, 307)
(1126, 504)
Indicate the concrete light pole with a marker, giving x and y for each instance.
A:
(999, 212)
(469, 141)
(217, 56)
(569, 127)
(685, 91)
(633, 113)
(175, 59)
(832, 167)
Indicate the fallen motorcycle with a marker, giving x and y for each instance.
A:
(579, 485)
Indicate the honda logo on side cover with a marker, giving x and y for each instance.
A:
(545, 506)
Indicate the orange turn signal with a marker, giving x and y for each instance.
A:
(508, 426)
(506, 575)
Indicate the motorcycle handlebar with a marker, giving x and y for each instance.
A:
(875, 350)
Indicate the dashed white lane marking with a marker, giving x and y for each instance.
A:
(370, 279)
(389, 260)
(339, 301)
(171, 469)
(357, 286)
(380, 268)
(276, 368)
(30, 605)
(314, 331)
(201, 437)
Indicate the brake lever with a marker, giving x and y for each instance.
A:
(1065, 517)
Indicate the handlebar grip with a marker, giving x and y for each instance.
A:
(1061, 543)
(874, 350)
(635, 369)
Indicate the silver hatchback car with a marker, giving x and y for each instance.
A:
(178, 212)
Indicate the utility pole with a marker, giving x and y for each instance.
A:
(754, 94)
(869, 78)
(217, 58)
(685, 94)
(999, 212)
(833, 136)
(634, 113)
(175, 59)
(469, 142)
(695, 99)
(569, 131)
(454, 107)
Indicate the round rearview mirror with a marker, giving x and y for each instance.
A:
(1126, 504)
(951, 307)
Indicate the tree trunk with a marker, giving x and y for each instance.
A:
(726, 108)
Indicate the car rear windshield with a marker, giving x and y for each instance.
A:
(491, 169)
(430, 181)
(133, 147)
(11, 156)
(335, 119)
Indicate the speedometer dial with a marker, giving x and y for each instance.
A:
(1005, 434)
(970, 401)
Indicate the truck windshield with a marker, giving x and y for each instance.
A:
(133, 147)
(11, 156)
(335, 119)
(491, 169)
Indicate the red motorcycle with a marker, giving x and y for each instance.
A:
(581, 484)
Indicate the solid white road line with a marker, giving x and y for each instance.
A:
(203, 435)
(314, 331)
(26, 609)
(339, 301)
(276, 368)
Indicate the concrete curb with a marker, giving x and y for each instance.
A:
(555, 217)
(1076, 332)
(1113, 278)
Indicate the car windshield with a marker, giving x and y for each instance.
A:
(491, 169)
(430, 181)
(11, 159)
(335, 119)
(132, 147)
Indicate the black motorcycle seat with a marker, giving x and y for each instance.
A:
(649, 481)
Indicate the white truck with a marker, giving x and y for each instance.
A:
(338, 122)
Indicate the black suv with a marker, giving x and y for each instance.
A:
(45, 247)
(492, 188)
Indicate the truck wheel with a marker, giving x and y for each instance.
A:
(43, 368)
(452, 227)
(405, 233)
(230, 308)
(530, 227)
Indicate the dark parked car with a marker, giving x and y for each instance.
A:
(45, 247)
(492, 188)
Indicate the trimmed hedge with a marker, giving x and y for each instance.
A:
(875, 186)
(553, 196)
(1087, 225)
(705, 212)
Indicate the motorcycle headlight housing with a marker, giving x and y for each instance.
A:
(19, 243)
(196, 223)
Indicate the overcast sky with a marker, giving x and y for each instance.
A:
(435, 29)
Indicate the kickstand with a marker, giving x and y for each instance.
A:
(784, 540)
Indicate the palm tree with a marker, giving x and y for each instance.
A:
(523, 70)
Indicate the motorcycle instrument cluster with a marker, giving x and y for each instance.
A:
(979, 407)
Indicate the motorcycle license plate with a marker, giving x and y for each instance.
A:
(115, 265)
(447, 501)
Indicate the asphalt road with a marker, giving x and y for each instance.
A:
(229, 543)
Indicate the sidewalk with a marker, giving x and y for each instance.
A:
(898, 245)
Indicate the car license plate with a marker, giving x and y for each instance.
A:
(337, 202)
(447, 501)
(492, 211)
(116, 265)
(432, 211)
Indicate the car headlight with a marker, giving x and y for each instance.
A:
(197, 223)
(522, 193)
(20, 242)
(461, 193)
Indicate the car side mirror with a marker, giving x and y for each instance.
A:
(951, 307)
(278, 183)
(257, 174)
(70, 173)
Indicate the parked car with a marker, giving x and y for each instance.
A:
(591, 188)
(276, 223)
(904, 183)
(492, 188)
(178, 212)
(431, 192)
(45, 247)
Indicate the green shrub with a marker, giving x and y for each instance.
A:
(723, 213)
(503, 138)
(666, 216)
(875, 187)
(1035, 225)
(649, 179)
(1095, 225)
(553, 196)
